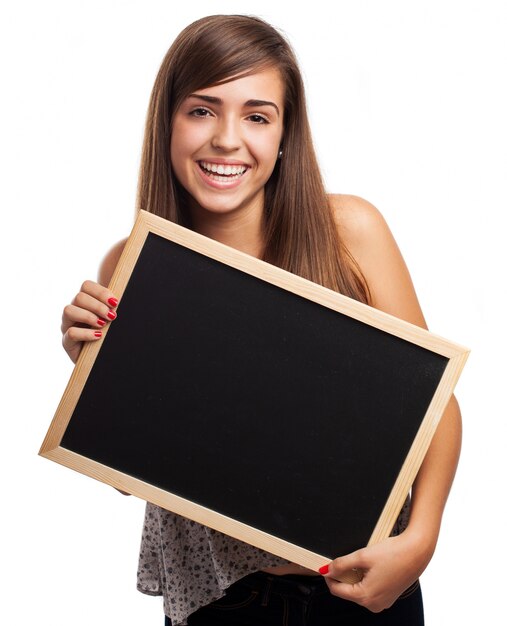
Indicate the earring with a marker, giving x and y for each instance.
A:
(280, 154)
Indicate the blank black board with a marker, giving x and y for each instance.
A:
(253, 401)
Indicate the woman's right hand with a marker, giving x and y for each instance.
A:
(85, 317)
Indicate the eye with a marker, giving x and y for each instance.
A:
(258, 119)
(200, 112)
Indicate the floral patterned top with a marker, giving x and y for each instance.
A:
(191, 565)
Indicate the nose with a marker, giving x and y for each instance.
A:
(227, 135)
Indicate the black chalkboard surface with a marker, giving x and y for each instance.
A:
(252, 400)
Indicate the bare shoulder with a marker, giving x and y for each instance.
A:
(110, 261)
(370, 241)
(356, 218)
(362, 229)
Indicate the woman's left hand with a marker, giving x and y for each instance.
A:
(389, 568)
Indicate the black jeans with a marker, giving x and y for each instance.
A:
(264, 600)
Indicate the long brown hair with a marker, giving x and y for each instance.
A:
(300, 232)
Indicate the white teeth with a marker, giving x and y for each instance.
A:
(226, 170)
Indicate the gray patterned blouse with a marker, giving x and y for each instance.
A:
(192, 565)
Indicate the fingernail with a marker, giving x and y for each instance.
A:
(324, 570)
(113, 302)
(98, 333)
(101, 322)
(111, 315)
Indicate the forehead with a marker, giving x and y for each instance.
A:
(265, 84)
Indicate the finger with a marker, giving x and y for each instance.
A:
(91, 303)
(341, 566)
(353, 593)
(74, 338)
(86, 309)
(76, 335)
(360, 594)
(344, 577)
(73, 315)
(99, 292)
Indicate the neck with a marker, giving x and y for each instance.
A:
(242, 230)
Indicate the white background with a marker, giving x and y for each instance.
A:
(408, 103)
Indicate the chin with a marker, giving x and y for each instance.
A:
(223, 206)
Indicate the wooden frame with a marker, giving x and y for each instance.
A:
(148, 225)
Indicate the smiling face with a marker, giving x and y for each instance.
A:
(225, 143)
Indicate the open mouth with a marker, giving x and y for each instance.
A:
(222, 173)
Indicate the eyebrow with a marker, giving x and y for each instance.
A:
(248, 103)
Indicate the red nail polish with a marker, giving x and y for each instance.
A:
(101, 322)
(113, 302)
(324, 569)
(98, 333)
(111, 315)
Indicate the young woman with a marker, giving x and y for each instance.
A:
(228, 153)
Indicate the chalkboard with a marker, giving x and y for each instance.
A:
(252, 400)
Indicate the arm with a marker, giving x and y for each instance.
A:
(394, 564)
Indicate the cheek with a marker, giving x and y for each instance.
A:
(271, 160)
(268, 143)
(185, 141)
(179, 140)
(266, 150)
(176, 160)
(179, 155)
